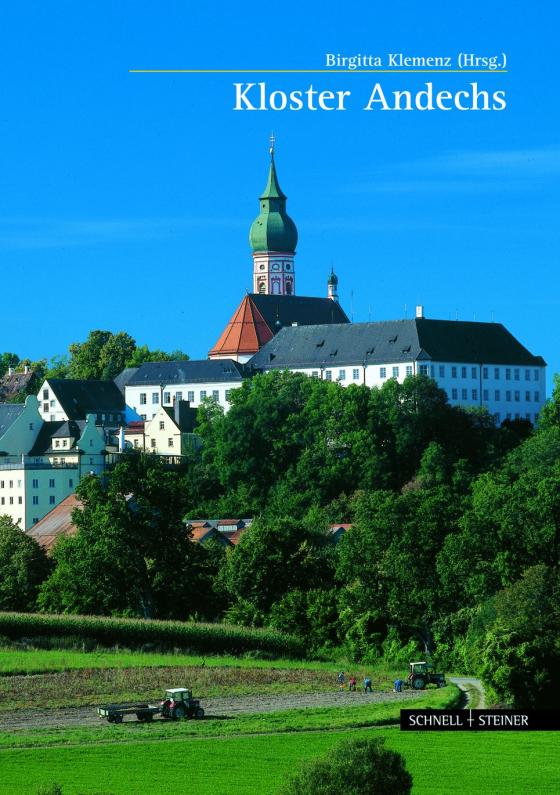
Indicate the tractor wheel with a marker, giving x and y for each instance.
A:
(179, 712)
(118, 719)
(418, 683)
(199, 713)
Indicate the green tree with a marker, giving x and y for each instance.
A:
(353, 767)
(550, 412)
(23, 567)
(132, 554)
(143, 354)
(8, 360)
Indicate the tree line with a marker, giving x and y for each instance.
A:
(452, 552)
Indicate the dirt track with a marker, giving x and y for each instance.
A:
(214, 707)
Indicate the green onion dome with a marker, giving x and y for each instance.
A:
(273, 229)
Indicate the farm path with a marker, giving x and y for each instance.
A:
(214, 708)
(473, 690)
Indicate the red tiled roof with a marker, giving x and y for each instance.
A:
(224, 522)
(246, 332)
(340, 526)
(234, 537)
(56, 523)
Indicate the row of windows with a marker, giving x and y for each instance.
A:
(153, 443)
(497, 395)
(425, 369)
(10, 484)
(215, 395)
(10, 501)
(509, 416)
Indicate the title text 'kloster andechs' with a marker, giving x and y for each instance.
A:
(258, 97)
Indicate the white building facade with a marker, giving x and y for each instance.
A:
(478, 365)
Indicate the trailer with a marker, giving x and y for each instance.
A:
(177, 704)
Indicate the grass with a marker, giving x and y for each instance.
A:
(295, 720)
(440, 763)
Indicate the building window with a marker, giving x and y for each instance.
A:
(1, 484)
(328, 375)
(45, 407)
(508, 374)
(356, 374)
(315, 374)
(454, 395)
(170, 442)
(485, 394)
(35, 500)
(216, 395)
(64, 442)
(51, 483)
(3, 501)
(142, 398)
(19, 500)
(473, 372)
(11, 500)
(161, 425)
(382, 372)
(441, 371)
(537, 397)
(528, 397)
(228, 393)
(463, 394)
(463, 372)
(527, 375)
(508, 396)
(485, 372)
(190, 396)
(45, 394)
(51, 499)
(144, 417)
(516, 374)
(35, 483)
(516, 395)
(395, 372)
(136, 443)
(57, 443)
(203, 395)
(497, 394)
(423, 369)
(167, 397)
(52, 404)
(497, 373)
(179, 395)
(475, 394)
(536, 375)
(409, 369)
(453, 372)
(35, 520)
(342, 375)
(155, 398)
(30, 426)
(152, 443)
(70, 483)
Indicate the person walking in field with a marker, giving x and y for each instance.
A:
(367, 685)
(352, 683)
(340, 679)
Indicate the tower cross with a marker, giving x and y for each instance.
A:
(272, 142)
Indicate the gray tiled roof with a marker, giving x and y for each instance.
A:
(9, 412)
(124, 377)
(80, 397)
(283, 310)
(392, 341)
(188, 372)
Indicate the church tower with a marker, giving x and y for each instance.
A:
(273, 237)
(332, 286)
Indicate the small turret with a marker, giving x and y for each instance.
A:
(332, 286)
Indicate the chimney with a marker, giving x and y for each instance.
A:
(10, 370)
(26, 369)
(420, 311)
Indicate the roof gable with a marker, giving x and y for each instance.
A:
(285, 310)
(188, 372)
(80, 397)
(246, 332)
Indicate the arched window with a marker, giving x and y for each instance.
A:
(262, 288)
(288, 288)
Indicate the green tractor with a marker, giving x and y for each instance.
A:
(422, 674)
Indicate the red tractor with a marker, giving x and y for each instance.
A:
(422, 674)
(179, 703)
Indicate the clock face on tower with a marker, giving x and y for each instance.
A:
(261, 267)
(275, 266)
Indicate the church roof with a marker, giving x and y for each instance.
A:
(246, 332)
(391, 342)
(285, 310)
(273, 229)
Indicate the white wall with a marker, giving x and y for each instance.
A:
(194, 393)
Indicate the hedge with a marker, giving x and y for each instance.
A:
(133, 632)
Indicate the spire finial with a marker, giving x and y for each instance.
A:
(272, 142)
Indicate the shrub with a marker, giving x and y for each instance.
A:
(354, 767)
(134, 632)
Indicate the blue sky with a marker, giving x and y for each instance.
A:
(126, 200)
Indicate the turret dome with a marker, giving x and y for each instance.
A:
(273, 229)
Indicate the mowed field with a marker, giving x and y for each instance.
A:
(466, 764)
(228, 754)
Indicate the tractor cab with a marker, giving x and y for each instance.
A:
(177, 694)
(420, 668)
